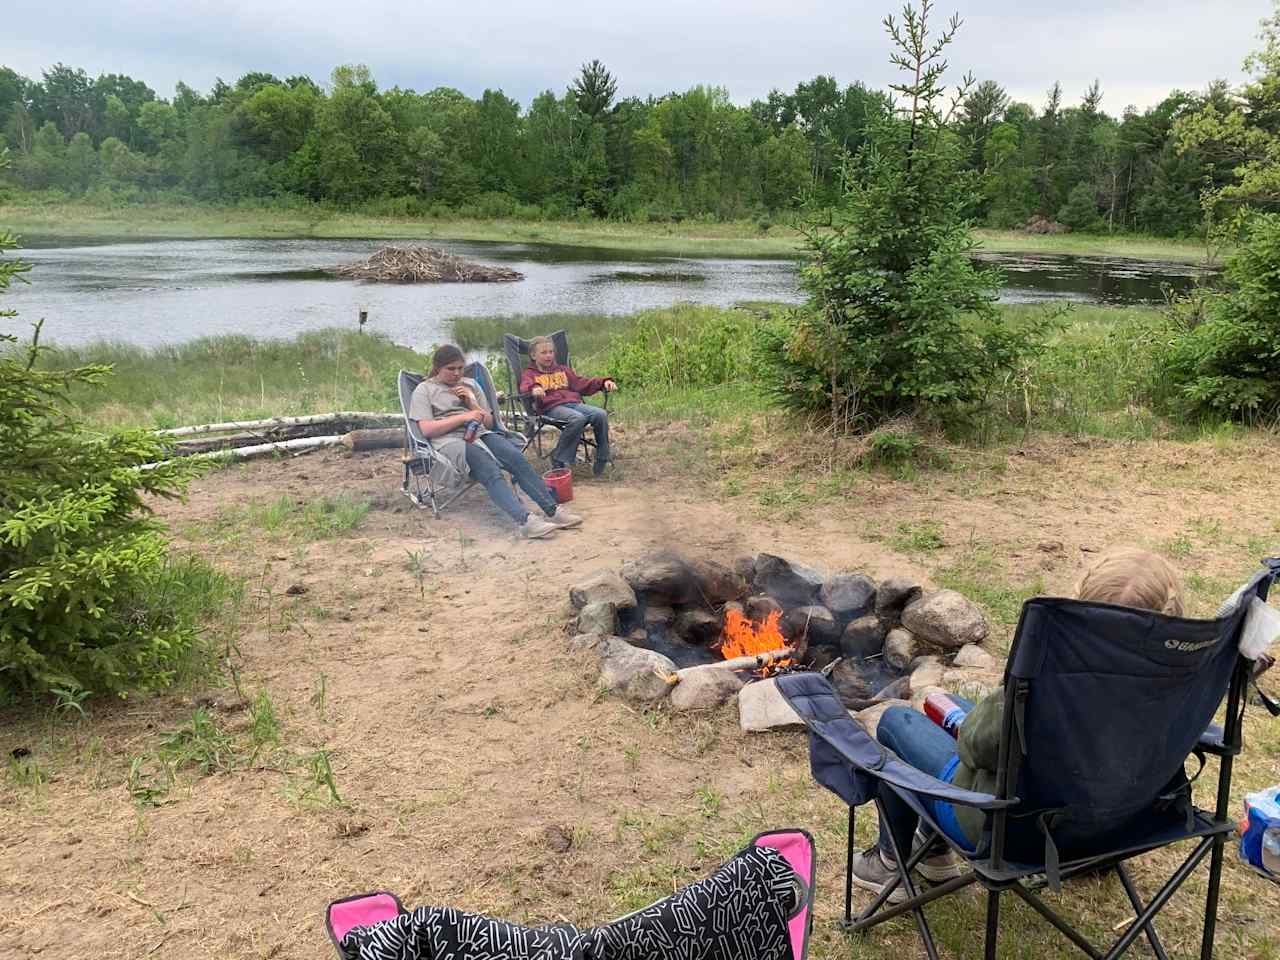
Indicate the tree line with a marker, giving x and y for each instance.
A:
(586, 152)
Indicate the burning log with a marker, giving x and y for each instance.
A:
(423, 265)
(756, 661)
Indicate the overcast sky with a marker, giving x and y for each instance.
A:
(651, 46)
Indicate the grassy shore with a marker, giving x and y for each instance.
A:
(741, 238)
(1097, 376)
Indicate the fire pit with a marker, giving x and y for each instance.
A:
(695, 633)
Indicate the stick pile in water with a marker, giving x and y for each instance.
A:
(423, 265)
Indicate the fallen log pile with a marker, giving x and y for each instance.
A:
(246, 439)
(423, 265)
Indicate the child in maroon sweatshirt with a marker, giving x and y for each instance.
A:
(557, 392)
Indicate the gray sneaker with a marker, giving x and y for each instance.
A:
(536, 527)
(872, 872)
(563, 518)
(941, 865)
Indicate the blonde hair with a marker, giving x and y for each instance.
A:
(1130, 577)
(536, 342)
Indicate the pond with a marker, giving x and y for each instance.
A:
(150, 292)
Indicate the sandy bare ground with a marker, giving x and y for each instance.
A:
(478, 764)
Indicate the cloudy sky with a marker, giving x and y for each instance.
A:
(651, 46)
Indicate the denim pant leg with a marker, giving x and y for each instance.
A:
(919, 741)
(566, 450)
(485, 470)
(598, 417)
(513, 461)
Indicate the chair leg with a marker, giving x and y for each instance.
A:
(993, 924)
(848, 874)
(1132, 893)
(1211, 899)
(904, 875)
(1168, 890)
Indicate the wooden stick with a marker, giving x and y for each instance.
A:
(750, 662)
(382, 417)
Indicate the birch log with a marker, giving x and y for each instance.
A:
(381, 418)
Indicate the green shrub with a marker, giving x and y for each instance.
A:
(682, 346)
(88, 599)
(1080, 212)
(900, 318)
(1230, 363)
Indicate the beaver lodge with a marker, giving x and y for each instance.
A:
(423, 265)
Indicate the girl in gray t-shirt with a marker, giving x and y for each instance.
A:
(445, 405)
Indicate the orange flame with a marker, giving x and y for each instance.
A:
(746, 638)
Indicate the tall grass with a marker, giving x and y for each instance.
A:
(238, 377)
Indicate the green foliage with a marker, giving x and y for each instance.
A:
(88, 598)
(682, 346)
(1230, 363)
(899, 317)
(1080, 212)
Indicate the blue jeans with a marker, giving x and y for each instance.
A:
(919, 741)
(579, 416)
(487, 470)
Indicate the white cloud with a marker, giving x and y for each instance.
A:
(653, 47)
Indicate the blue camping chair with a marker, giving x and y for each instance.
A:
(1102, 706)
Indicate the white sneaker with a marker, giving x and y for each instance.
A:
(943, 865)
(537, 527)
(563, 518)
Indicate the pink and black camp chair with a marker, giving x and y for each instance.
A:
(758, 906)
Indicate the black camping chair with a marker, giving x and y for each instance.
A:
(517, 353)
(430, 480)
(1102, 706)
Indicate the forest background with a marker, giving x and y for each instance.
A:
(586, 154)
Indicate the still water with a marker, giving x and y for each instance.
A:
(166, 291)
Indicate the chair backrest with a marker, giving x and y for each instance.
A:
(1109, 702)
(478, 372)
(407, 383)
(516, 350)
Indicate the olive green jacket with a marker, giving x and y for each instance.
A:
(979, 745)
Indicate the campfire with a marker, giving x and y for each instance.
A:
(750, 641)
(696, 633)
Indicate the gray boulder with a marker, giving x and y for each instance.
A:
(704, 688)
(636, 674)
(658, 615)
(972, 655)
(814, 622)
(599, 616)
(761, 707)
(745, 567)
(602, 585)
(661, 575)
(894, 594)
(586, 643)
(899, 689)
(945, 619)
(790, 584)
(849, 595)
(853, 689)
(870, 717)
(899, 648)
(715, 583)
(863, 637)
(926, 672)
(698, 626)
(760, 606)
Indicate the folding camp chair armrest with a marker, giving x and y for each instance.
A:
(1211, 741)
(841, 734)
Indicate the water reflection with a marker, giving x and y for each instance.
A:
(164, 291)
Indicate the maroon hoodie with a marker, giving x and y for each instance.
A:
(561, 383)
